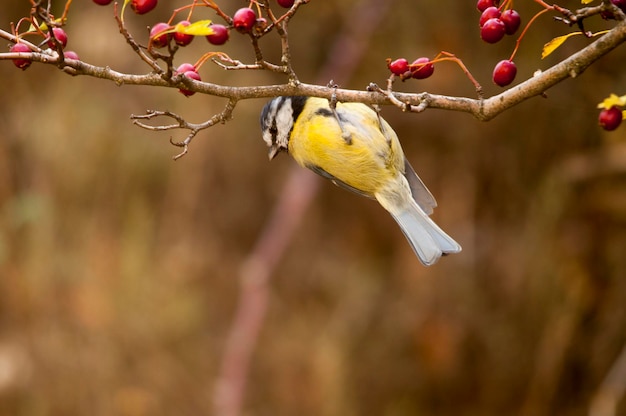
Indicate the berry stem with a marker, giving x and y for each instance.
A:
(212, 55)
(258, 8)
(507, 4)
(447, 56)
(544, 5)
(519, 39)
(211, 4)
(180, 9)
(66, 10)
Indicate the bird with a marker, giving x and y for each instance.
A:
(350, 144)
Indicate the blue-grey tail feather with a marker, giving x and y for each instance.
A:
(426, 238)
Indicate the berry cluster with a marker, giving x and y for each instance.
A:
(55, 40)
(494, 25)
(162, 34)
(191, 72)
(420, 68)
(244, 21)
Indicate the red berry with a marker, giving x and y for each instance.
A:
(193, 75)
(244, 20)
(160, 40)
(286, 3)
(181, 38)
(102, 2)
(399, 66)
(182, 68)
(492, 31)
(504, 73)
(422, 68)
(143, 6)
(511, 20)
(60, 35)
(21, 63)
(610, 118)
(489, 13)
(260, 25)
(70, 55)
(483, 4)
(219, 36)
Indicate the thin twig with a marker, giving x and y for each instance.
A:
(232, 65)
(181, 123)
(390, 94)
(134, 45)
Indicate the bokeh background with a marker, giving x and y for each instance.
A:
(120, 269)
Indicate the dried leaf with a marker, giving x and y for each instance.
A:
(551, 46)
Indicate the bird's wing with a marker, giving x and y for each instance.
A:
(338, 182)
(420, 193)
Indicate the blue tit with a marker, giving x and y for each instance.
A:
(351, 145)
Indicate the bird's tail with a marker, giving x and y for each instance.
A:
(426, 238)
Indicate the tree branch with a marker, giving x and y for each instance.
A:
(484, 109)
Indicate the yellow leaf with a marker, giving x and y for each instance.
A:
(199, 28)
(551, 46)
(613, 100)
(42, 27)
(35, 25)
(586, 1)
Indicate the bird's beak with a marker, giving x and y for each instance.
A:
(274, 149)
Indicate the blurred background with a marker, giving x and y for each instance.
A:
(120, 269)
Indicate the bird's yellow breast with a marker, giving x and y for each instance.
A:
(367, 162)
